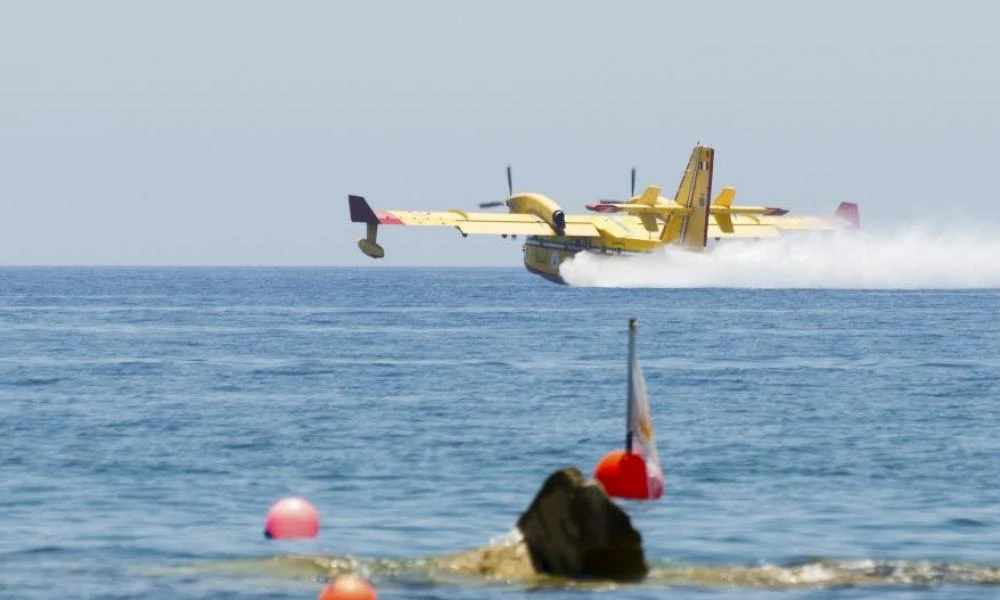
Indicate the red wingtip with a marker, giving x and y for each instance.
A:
(848, 211)
(602, 207)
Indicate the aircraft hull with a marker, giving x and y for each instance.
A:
(543, 255)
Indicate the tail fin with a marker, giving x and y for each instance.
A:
(694, 192)
(848, 211)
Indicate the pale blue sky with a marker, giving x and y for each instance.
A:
(230, 133)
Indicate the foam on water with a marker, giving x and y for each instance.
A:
(911, 257)
(816, 573)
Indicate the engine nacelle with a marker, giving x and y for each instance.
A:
(542, 206)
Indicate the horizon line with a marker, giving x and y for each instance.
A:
(247, 266)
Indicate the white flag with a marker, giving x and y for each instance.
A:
(641, 431)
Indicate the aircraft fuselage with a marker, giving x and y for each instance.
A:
(543, 255)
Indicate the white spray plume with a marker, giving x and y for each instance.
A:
(909, 258)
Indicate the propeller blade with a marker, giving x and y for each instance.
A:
(633, 182)
(491, 204)
(510, 182)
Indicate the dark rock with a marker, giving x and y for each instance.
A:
(573, 529)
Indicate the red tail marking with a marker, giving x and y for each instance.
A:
(848, 211)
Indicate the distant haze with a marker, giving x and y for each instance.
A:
(230, 133)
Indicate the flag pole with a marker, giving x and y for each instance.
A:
(631, 390)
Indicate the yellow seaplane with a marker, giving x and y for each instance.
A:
(642, 223)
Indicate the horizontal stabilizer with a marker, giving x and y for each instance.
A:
(720, 209)
(650, 196)
(725, 197)
(724, 221)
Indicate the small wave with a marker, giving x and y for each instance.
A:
(128, 367)
(35, 381)
(965, 522)
(37, 550)
(822, 573)
(509, 538)
(302, 371)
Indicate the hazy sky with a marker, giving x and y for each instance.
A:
(230, 133)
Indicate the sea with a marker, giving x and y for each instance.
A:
(818, 442)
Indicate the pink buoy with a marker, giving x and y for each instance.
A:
(291, 518)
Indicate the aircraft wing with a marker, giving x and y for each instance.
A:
(473, 222)
(487, 223)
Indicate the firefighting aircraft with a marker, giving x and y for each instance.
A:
(643, 223)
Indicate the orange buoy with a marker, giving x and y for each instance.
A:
(348, 587)
(291, 518)
(623, 475)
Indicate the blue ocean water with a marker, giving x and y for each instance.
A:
(149, 418)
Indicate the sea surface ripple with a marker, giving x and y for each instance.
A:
(149, 418)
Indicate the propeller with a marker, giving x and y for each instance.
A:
(510, 192)
(631, 194)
